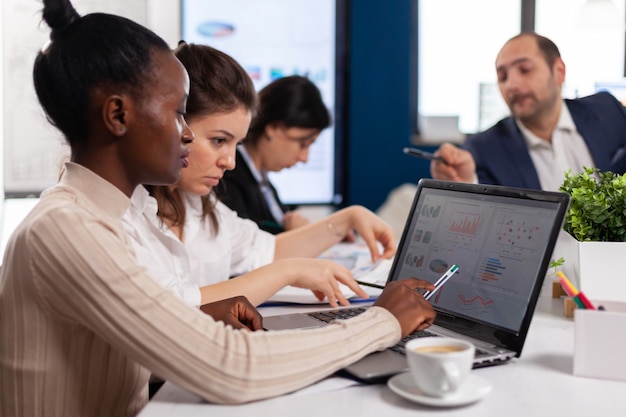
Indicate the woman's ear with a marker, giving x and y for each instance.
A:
(271, 129)
(115, 114)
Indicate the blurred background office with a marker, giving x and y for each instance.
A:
(416, 72)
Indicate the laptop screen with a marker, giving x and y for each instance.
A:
(501, 238)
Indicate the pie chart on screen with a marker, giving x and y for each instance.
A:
(216, 29)
(438, 265)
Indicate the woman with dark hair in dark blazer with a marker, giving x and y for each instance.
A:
(290, 117)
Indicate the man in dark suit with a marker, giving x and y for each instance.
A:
(545, 135)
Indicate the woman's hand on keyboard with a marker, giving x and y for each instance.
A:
(403, 300)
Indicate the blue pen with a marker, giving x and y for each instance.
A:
(445, 277)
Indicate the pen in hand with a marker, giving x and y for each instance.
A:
(423, 154)
(442, 280)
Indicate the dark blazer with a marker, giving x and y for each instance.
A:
(502, 156)
(240, 191)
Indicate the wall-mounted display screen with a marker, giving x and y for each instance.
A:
(276, 38)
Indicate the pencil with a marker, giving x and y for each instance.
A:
(579, 298)
(566, 284)
(583, 298)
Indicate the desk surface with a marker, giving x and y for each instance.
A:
(539, 383)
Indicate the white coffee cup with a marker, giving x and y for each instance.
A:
(439, 365)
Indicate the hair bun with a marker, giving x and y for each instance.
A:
(59, 15)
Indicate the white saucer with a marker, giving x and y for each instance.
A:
(474, 389)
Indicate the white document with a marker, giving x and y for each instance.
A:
(354, 256)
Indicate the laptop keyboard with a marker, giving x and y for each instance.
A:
(346, 313)
(342, 314)
(399, 347)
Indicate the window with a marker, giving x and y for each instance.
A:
(590, 36)
(458, 42)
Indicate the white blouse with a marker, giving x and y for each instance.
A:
(202, 258)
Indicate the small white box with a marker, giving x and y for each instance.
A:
(600, 342)
(593, 267)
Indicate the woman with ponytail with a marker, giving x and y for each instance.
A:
(82, 325)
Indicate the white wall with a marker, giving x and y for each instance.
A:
(164, 19)
(33, 150)
(28, 140)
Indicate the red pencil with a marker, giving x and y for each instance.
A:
(583, 298)
(580, 298)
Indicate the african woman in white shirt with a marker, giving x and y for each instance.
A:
(82, 324)
(193, 243)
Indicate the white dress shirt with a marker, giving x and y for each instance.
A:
(203, 258)
(568, 151)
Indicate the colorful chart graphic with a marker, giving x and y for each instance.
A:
(517, 232)
(475, 304)
(415, 261)
(417, 235)
(476, 301)
(422, 236)
(216, 29)
(465, 223)
(430, 211)
(490, 269)
(438, 265)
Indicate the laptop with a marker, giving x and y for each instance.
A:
(501, 238)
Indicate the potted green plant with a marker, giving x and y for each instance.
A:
(594, 238)
(597, 210)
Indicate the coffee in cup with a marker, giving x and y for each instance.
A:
(439, 349)
(439, 365)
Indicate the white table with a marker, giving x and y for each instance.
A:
(540, 383)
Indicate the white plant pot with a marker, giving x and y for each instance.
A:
(596, 268)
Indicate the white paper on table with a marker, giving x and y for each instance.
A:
(355, 256)
(375, 273)
(351, 255)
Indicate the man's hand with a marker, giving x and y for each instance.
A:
(236, 312)
(405, 302)
(459, 165)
